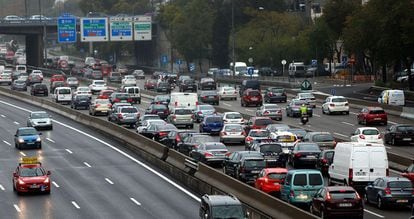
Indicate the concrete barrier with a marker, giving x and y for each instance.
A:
(408, 112)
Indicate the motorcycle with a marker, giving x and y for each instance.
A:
(304, 119)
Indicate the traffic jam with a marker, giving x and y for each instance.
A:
(311, 170)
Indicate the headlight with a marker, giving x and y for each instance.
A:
(38, 139)
(21, 140)
(46, 180)
(21, 182)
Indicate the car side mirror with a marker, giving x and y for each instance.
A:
(48, 172)
(15, 174)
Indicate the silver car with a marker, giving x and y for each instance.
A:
(181, 116)
(40, 119)
(270, 110)
(233, 133)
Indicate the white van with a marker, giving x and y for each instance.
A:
(356, 164)
(297, 69)
(62, 94)
(392, 97)
(134, 92)
(183, 100)
(21, 68)
(240, 67)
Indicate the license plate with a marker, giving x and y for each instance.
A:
(123, 101)
(402, 201)
(211, 97)
(104, 111)
(30, 142)
(377, 118)
(311, 157)
(406, 139)
(345, 204)
(254, 98)
(34, 186)
(255, 171)
(360, 173)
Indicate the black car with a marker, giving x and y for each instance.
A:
(39, 89)
(175, 137)
(156, 131)
(19, 85)
(271, 151)
(244, 165)
(188, 84)
(325, 159)
(304, 153)
(192, 141)
(399, 133)
(158, 109)
(80, 101)
(275, 94)
(161, 99)
(211, 153)
(267, 71)
(207, 83)
(221, 206)
(210, 97)
(163, 87)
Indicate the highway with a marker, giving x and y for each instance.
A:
(92, 175)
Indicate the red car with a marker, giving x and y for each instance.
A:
(57, 78)
(270, 180)
(150, 84)
(409, 173)
(372, 115)
(106, 69)
(30, 176)
(251, 97)
(256, 122)
(105, 94)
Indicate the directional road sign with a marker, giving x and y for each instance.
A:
(66, 26)
(306, 85)
(94, 29)
(250, 71)
(333, 91)
(164, 59)
(192, 67)
(314, 62)
(121, 28)
(179, 61)
(142, 28)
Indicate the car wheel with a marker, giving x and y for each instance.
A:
(323, 111)
(380, 204)
(347, 112)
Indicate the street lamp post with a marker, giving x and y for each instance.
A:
(233, 38)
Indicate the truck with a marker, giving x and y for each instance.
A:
(240, 68)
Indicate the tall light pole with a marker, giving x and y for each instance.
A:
(233, 33)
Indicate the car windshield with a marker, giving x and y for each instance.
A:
(308, 147)
(102, 101)
(405, 128)
(340, 195)
(277, 90)
(202, 138)
(272, 148)
(157, 122)
(233, 128)
(83, 89)
(208, 93)
(272, 107)
(64, 91)
(233, 116)
(116, 74)
(306, 96)
(228, 89)
(30, 172)
(160, 107)
(370, 132)
(323, 138)
(255, 163)
(20, 82)
(261, 133)
(298, 132)
(150, 117)
(377, 112)
(41, 115)
(129, 110)
(122, 96)
(400, 184)
(338, 100)
(183, 111)
(82, 97)
(276, 175)
(25, 132)
(263, 122)
(206, 107)
(214, 119)
(227, 211)
(215, 146)
(99, 82)
(166, 127)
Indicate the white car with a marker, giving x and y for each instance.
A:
(129, 80)
(38, 72)
(233, 118)
(233, 133)
(97, 86)
(227, 93)
(39, 119)
(145, 124)
(335, 104)
(5, 78)
(308, 97)
(367, 135)
(286, 139)
(83, 91)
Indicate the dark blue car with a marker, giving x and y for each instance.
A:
(27, 137)
(212, 124)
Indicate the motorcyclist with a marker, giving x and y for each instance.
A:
(303, 110)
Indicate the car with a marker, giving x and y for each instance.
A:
(244, 165)
(157, 131)
(23, 77)
(286, 139)
(115, 77)
(101, 106)
(175, 137)
(252, 84)
(257, 122)
(104, 94)
(399, 133)
(293, 108)
(117, 97)
(129, 80)
(146, 123)
(209, 97)
(40, 120)
(372, 115)
(158, 109)
(233, 118)
(266, 71)
(39, 89)
(72, 82)
(80, 101)
(34, 78)
(203, 110)
(337, 201)
(97, 85)
(57, 77)
(19, 85)
(233, 133)
(270, 180)
(272, 111)
(272, 152)
(309, 98)
(304, 154)
(145, 117)
(27, 137)
(125, 115)
(5, 78)
(139, 74)
(83, 91)
(39, 17)
(210, 153)
(150, 84)
(251, 97)
(300, 133)
(254, 135)
(181, 117)
(191, 141)
(221, 206)
(409, 173)
(227, 93)
(390, 191)
(335, 104)
(13, 18)
(325, 159)
(30, 176)
(161, 99)
(163, 87)
(367, 135)
(182, 78)
(207, 83)
(133, 92)
(212, 71)
(275, 94)
(211, 124)
(188, 84)
(325, 140)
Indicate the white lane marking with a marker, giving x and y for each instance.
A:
(373, 213)
(16, 123)
(69, 151)
(336, 133)
(17, 208)
(388, 147)
(391, 122)
(347, 123)
(3, 116)
(119, 151)
(316, 115)
(1, 187)
(6, 142)
(226, 104)
(249, 110)
(145, 101)
(75, 204)
(135, 201)
(395, 171)
(353, 113)
(23, 154)
(109, 181)
(86, 164)
(50, 140)
(55, 184)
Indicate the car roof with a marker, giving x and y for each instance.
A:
(304, 171)
(26, 128)
(339, 188)
(374, 108)
(395, 178)
(275, 170)
(221, 200)
(368, 128)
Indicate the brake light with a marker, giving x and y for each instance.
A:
(197, 103)
(387, 191)
(163, 134)
(334, 143)
(177, 138)
(174, 117)
(97, 105)
(331, 105)
(361, 136)
(248, 138)
(270, 94)
(266, 112)
(166, 111)
(298, 155)
(223, 133)
(192, 116)
(129, 100)
(199, 113)
(175, 103)
(244, 133)
(328, 196)
(116, 100)
(153, 112)
(324, 160)
(379, 136)
(208, 154)
(120, 116)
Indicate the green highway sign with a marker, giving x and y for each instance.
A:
(306, 85)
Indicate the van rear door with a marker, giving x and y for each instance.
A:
(378, 163)
(360, 165)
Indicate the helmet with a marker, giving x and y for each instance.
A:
(303, 104)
